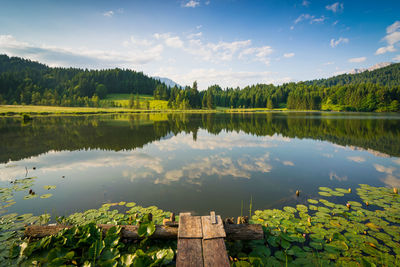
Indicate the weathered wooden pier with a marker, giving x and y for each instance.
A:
(201, 239)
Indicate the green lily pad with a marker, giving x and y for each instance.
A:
(325, 194)
(48, 187)
(46, 195)
(312, 201)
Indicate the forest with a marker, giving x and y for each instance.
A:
(31, 83)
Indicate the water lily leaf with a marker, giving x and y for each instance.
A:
(325, 194)
(312, 201)
(130, 204)
(327, 189)
(302, 208)
(290, 209)
(48, 187)
(373, 226)
(30, 196)
(122, 203)
(342, 190)
(46, 195)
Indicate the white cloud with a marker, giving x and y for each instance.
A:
(108, 13)
(169, 40)
(310, 18)
(396, 58)
(192, 3)
(195, 35)
(357, 59)
(305, 3)
(140, 42)
(356, 159)
(385, 49)
(328, 63)
(394, 27)
(392, 38)
(288, 55)
(81, 57)
(336, 7)
(341, 40)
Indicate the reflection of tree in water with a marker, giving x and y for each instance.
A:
(118, 132)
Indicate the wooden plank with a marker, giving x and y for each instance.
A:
(212, 230)
(189, 253)
(213, 217)
(189, 227)
(214, 253)
(244, 231)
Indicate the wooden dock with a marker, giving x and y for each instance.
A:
(201, 239)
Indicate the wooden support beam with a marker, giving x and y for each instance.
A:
(233, 231)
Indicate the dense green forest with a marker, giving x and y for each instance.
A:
(27, 82)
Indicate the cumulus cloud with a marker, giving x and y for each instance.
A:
(392, 38)
(335, 7)
(288, 55)
(191, 3)
(396, 58)
(169, 40)
(357, 59)
(83, 57)
(109, 13)
(341, 40)
(312, 19)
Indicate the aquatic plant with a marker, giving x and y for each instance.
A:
(324, 233)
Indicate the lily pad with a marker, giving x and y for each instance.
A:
(46, 195)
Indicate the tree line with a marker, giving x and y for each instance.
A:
(27, 82)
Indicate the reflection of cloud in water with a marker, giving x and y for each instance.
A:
(356, 148)
(391, 181)
(220, 166)
(356, 159)
(392, 178)
(397, 161)
(11, 172)
(211, 142)
(66, 161)
(326, 155)
(288, 163)
(333, 175)
(380, 168)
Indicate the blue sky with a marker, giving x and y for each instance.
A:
(227, 42)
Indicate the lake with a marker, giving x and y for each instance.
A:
(196, 162)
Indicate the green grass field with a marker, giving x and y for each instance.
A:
(122, 100)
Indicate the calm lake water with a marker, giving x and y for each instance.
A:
(196, 162)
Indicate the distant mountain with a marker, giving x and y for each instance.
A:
(167, 81)
(374, 67)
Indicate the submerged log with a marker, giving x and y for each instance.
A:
(233, 231)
